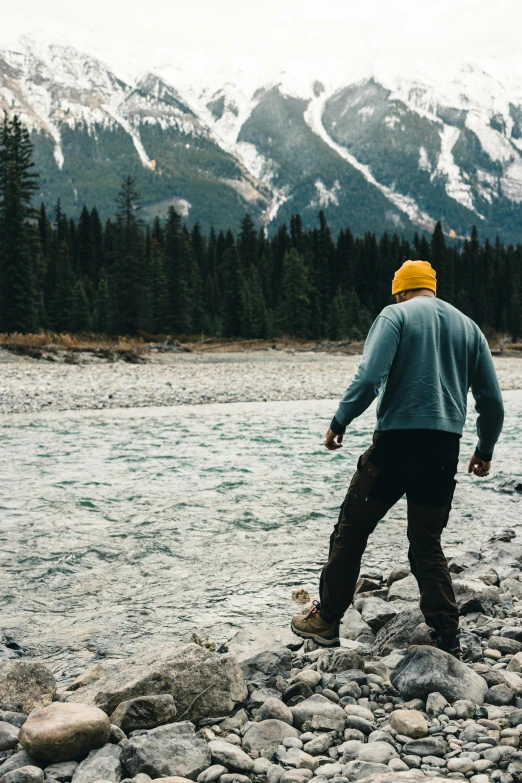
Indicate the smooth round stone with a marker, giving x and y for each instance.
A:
(292, 742)
(331, 695)
(434, 761)
(360, 712)
(277, 710)
(64, 731)
(464, 708)
(494, 655)
(330, 770)
(482, 765)
(379, 752)
(27, 774)
(479, 779)
(229, 777)
(233, 739)
(412, 761)
(409, 723)
(397, 765)
(8, 735)
(309, 677)
(460, 765)
(211, 774)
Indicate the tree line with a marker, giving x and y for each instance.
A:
(127, 277)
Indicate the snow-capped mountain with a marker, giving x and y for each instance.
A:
(379, 145)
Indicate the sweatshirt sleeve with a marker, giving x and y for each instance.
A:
(379, 352)
(488, 404)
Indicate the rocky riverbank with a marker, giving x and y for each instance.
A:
(30, 385)
(265, 708)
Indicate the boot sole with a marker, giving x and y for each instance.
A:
(319, 640)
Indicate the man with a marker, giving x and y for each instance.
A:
(421, 357)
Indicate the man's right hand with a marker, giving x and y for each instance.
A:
(478, 467)
(333, 441)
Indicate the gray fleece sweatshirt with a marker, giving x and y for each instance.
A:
(421, 357)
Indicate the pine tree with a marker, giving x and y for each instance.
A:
(338, 318)
(129, 273)
(247, 243)
(442, 262)
(234, 313)
(80, 318)
(18, 237)
(159, 289)
(294, 307)
(102, 318)
(61, 300)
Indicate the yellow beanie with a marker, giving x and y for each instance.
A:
(414, 274)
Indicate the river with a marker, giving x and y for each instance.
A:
(122, 529)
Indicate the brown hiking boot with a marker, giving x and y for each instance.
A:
(312, 626)
(449, 644)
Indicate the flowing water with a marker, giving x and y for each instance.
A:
(121, 529)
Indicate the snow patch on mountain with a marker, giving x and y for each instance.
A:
(424, 161)
(280, 195)
(447, 169)
(326, 196)
(406, 204)
(511, 182)
(135, 136)
(492, 142)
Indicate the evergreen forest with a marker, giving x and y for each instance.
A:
(129, 277)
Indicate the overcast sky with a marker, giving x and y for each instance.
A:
(465, 29)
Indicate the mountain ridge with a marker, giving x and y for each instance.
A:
(395, 145)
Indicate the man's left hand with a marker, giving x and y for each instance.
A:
(333, 441)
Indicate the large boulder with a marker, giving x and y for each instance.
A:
(89, 676)
(263, 668)
(203, 684)
(25, 683)
(397, 633)
(171, 750)
(344, 660)
(103, 764)
(465, 560)
(321, 706)
(63, 732)
(145, 712)
(353, 626)
(375, 612)
(267, 735)
(253, 639)
(424, 670)
(405, 589)
(472, 595)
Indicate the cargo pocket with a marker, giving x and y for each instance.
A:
(367, 473)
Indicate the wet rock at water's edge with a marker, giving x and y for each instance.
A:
(62, 732)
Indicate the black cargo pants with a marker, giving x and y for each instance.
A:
(421, 464)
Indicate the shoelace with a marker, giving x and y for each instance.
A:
(314, 611)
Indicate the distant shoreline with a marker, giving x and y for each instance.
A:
(30, 385)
